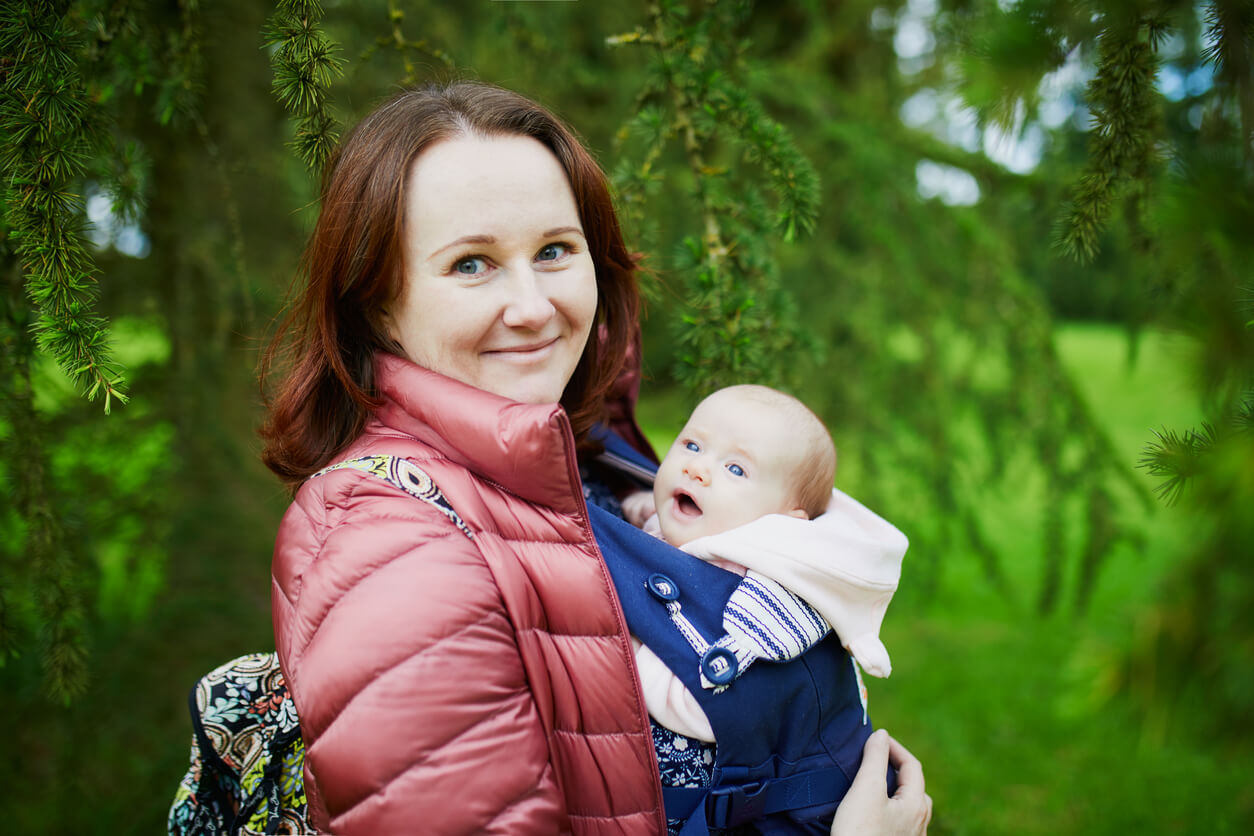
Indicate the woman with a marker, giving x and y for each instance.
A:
(465, 666)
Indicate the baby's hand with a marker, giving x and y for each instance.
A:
(638, 507)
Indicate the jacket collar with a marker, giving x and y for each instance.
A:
(525, 448)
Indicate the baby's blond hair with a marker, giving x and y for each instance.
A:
(815, 470)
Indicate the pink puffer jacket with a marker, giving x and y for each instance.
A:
(450, 685)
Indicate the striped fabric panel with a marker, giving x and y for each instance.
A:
(770, 621)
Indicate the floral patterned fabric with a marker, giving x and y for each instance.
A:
(246, 756)
(682, 762)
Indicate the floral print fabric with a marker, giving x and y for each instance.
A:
(247, 755)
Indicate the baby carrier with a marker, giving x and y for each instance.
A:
(790, 736)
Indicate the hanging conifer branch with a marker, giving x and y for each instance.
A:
(1230, 36)
(179, 84)
(47, 580)
(44, 151)
(304, 64)
(1124, 107)
(739, 325)
(405, 48)
(1177, 458)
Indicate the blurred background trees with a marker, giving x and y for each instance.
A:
(898, 210)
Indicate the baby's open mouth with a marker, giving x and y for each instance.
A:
(686, 506)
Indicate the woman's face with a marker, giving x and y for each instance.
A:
(499, 288)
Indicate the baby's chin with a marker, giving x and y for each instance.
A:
(674, 534)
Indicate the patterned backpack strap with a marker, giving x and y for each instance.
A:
(408, 477)
(246, 757)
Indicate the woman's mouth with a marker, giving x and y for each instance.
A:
(526, 353)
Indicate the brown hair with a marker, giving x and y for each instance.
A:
(815, 466)
(353, 266)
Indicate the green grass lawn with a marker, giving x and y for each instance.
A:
(1013, 714)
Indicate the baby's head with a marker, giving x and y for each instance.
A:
(746, 451)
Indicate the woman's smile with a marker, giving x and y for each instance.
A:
(528, 353)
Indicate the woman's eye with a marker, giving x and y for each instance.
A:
(692, 446)
(470, 266)
(552, 252)
(735, 470)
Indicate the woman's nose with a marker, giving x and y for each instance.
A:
(528, 305)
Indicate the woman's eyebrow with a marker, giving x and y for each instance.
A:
(488, 239)
(562, 230)
(465, 239)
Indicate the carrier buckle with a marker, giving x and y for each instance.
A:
(730, 806)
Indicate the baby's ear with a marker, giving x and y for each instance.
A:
(799, 513)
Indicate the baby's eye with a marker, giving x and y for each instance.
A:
(735, 470)
(552, 252)
(692, 446)
(471, 266)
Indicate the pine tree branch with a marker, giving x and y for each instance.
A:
(305, 62)
(1230, 37)
(48, 577)
(406, 48)
(46, 143)
(739, 321)
(1177, 458)
(1124, 108)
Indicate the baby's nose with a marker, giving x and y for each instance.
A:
(697, 473)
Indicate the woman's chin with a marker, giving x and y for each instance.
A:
(529, 392)
(530, 384)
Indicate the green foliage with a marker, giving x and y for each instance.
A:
(305, 63)
(739, 324)
(409, 51)
(1006, 52)
(1180, 170)
(1203, 622)
(1230, 48)
(1176, 458)
(44, 588)
(1124, 108)
(70, 72)
(45, 142)
(1188, 243)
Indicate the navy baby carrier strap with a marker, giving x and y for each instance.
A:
(790, 736)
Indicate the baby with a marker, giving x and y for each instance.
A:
(747, 485)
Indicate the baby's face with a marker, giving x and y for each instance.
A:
(731, 464)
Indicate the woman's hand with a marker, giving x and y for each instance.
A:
(868, 811)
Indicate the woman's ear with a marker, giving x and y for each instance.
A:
(385, 325)
(799, 513)
(384, 329)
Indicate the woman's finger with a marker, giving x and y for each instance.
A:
(909, 770)
(875, 756)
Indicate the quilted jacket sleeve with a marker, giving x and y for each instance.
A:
(405, 671)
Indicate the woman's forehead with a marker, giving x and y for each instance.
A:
(472, 185)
